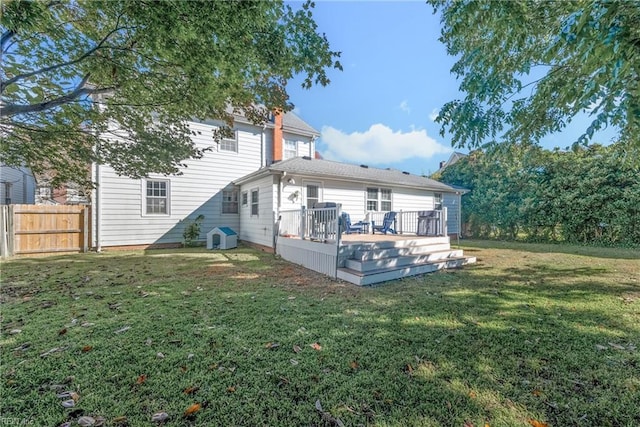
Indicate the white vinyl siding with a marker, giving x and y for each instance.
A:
(198, 191)
(259, 228)
(17, 185)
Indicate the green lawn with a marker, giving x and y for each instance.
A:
(531, 333)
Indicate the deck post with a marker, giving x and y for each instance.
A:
(443, 222)
(303, 221)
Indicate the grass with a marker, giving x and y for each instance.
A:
(531, 333)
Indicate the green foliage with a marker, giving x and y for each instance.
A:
(191, 231)
(74, 70)
(528, 67)
(588, 195)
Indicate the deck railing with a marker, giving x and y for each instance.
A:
(320, 224)
(425, 223)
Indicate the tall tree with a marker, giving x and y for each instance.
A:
(528, 67)
(75, 71)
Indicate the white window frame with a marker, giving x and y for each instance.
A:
(379, 200)
(256, 202)
(225, 202)
(437, 201)
(167, 197)
(305, 185)
(245, 199)
(289, 152)
(229, 145)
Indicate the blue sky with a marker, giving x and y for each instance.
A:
(379, 110)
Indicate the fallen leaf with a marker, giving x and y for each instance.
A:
(69, 403)
(99, 421)
(87, 348)
(617, 346)
(409, 368)
(536, 423)
(601, 347)
(472, 394)
(316, 346)
(159, 355)
(62, 331)
(271, 345)
(159, 417)
(467, 424)
(86, 421)
(294, 362)
(121, 330)
(141, 379)
(75, 396)
(191, 390)
(231, 389)
(119, 420)
(183, 368)
(536, 393)
(297, 349)
(354, 364)
(192, 409)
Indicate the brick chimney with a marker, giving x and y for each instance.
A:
(277, 136)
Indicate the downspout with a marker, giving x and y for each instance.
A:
(98, 207)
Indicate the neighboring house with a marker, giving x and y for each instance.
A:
(154, 211)
(17, 185)
(453, 159)
(67, 194)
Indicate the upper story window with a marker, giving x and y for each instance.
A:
(230, 144)
(437, 201)
(156, 197)
(378, 199)
(229, 201)
(290, 149)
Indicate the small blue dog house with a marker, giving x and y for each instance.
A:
(222, 238)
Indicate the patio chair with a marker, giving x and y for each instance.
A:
(348, 227)
(387, 224)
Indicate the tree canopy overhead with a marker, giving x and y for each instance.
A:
(528, 67)
(150, 66)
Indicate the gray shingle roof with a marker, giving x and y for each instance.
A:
(344, 171)
(294, 124)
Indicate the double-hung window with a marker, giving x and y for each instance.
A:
(254, 202)
(290, 149)
(229, 201)
(230, 143)
(437, 201)
(156, 197)
(378, 199)
(313, 194)
(245, 199)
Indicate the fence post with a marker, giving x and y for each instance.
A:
(85, 229)
(11, 232)
(3, 231)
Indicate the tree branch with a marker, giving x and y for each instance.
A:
(81, 89)
(5, 84)
(6, 36)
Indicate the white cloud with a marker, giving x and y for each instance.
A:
(379, 145)
(404, 106)
(434, 114)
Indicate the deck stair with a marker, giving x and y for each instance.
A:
(367, 263)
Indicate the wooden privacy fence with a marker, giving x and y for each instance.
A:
(41, 229)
